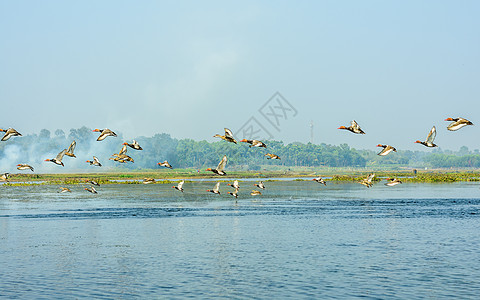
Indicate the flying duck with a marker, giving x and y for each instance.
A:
(260, 185)
(92, 182)
(234, 194)
(254, 143)
(319, 180)
(148, 180)
(91, 190)
(272, 156)
(58, 159)
(104, 133)
(70, 149)
(354, 127)
(235, 184)
(65, 190)
(24, 167)
(430, 138)
(4, 177)
(123, 150)
(94, 162)
(133, 145)
(457, 123)
(121, 158)
(227, 137)
(216, 189)
(220, 167)
(9, 133)
(179, 186)
(392, 182)
(368, 181)
(386, 149)
(165, 164)
(255, 192)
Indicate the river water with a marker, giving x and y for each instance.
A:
(299, 240)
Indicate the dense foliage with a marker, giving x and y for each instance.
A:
(188, 153)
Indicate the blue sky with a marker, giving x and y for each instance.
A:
(190, 69)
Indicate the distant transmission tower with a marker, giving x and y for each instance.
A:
(311, 132)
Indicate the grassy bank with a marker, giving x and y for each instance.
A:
(168, 176)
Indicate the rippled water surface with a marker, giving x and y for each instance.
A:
(296, 240)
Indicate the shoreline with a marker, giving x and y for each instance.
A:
(164, 176)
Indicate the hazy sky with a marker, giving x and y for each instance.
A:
(192, 68)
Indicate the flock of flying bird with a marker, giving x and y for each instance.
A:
(122, 156)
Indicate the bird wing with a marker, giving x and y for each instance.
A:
(370, 177)
(7, 135)
(228, 133)
(95, 159)
(386, 150)
(217, 187)
(136, 145)
(180, 184)
(101, 137)
(72, 146)
(124, 150)
(355, 125)
(4, 138)
(222, 163)
(235, 184)
(431, 135)
(60, 155)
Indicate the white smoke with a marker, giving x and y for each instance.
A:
(33, 151)
(9, 160)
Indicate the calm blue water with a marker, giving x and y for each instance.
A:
(296, 240)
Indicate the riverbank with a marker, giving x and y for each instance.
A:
(168, 176)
